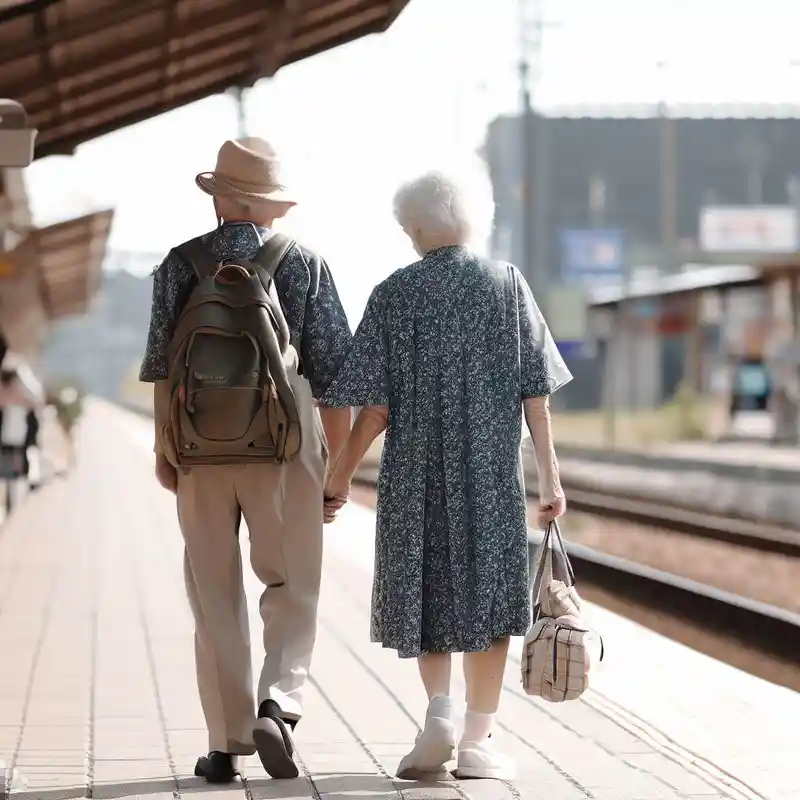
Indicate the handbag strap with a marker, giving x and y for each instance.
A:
(562, 551)
(545, 550)
(552, 546)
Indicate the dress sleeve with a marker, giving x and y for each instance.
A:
(364, 378)
(542, 369)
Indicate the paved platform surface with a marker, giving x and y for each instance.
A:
(97, 695)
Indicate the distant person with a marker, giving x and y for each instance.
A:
(246, 330)
(450, 351)
(19, 431)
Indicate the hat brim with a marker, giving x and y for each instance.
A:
(213, 184)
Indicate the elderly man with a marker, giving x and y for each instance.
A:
(246, 331)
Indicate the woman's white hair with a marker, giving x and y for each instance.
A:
(456, 204)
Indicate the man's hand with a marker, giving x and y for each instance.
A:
(549, 510)
(166, 474)
(331, 507)
(336, 494)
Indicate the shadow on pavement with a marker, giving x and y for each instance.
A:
(333, 786)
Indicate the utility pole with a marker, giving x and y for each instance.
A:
(239, 98)
(535, 186)
(669, 182)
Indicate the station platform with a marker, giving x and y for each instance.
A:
(97, 693)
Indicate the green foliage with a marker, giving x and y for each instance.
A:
(685, 414)
(68, 400)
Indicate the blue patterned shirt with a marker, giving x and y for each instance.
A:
(305, 287)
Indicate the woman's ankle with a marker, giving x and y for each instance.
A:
(477, 726)
(441, 705)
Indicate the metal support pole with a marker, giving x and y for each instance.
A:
(528, 179)
(669, 182)
(240, 97)
(541, 251)
(535, 189)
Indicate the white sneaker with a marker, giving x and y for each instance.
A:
(434, 747)
(482, 760)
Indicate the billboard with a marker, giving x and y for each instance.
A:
(592, 257)
(749, 229)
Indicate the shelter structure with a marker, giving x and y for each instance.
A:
(46, 273)
(85, 68)
(706, 328)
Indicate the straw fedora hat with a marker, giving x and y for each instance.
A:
(247, 169)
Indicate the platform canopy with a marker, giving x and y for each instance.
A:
(69, 259)
(85, 68)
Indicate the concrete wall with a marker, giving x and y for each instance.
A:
(634, 380)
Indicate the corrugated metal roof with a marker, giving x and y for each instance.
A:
(84, 68)
(69, 259)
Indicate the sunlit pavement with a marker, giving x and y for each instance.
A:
(97, 697)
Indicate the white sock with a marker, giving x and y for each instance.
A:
(440, 706)
(477, 727)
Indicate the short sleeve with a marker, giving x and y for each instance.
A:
(163, 315)
(542, 369)
(326, 335)
(364, 378)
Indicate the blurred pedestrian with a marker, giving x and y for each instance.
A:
(246, 329)
(449, 352)
(19, 431)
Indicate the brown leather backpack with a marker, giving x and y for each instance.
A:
(231, 401)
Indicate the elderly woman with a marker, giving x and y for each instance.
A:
(449, 352)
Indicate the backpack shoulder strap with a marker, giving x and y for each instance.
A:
(199, 257)
(272, 252)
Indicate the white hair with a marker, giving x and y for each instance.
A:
(438, 204)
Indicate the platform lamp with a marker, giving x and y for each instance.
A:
(16, 136)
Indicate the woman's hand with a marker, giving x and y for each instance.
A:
(335, 495)
(550, 509)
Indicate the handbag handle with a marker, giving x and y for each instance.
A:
(552, 536)
(563, 551)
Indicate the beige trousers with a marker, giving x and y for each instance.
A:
(282, 507)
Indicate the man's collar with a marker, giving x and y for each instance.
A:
(240, 224)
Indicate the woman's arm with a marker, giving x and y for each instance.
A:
(371, 422)
(551, 494)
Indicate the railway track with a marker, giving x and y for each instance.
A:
(760, 629)
(734, 530)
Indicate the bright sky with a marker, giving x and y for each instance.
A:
(353, 123)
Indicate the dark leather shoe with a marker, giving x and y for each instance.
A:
(217, 767)
(274, 742)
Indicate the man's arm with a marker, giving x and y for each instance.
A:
(171, 282)
(325, 342)
(161, 401)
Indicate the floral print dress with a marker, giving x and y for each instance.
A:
(451, 344)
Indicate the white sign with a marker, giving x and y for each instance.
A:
(749, 229)
(567, 317)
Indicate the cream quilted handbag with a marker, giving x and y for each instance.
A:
(560, 650)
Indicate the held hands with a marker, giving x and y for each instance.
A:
(550, 509)
(335, 495)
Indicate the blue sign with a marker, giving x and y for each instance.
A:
(592, 256)
(571, 349)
